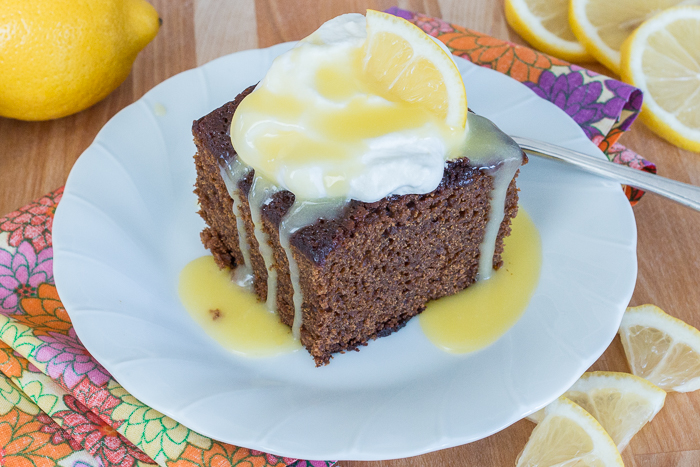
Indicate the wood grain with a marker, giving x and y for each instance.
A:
(221, 29)
(37, 157)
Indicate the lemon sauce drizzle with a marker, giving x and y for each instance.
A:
(320, 146)
(231, 314)
(288, 133)
(232, 173)
(465, 322)
(477, 316)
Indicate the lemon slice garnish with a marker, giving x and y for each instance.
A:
(568, 435)
(412, 67)
(661, 349)
(622, 403)
(545, 25)
(603, 25)
(662, 58)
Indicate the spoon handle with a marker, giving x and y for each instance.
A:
(683, 193)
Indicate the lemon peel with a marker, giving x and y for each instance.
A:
(661, 349)
(602, 26)
(51, 71)
(568, 435)
(662, 58)
(544, 24)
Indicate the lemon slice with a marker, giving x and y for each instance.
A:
(622, 403)
(603, 25)
(414, 68)
(545, 25)
(662, 58)
(661, 348)
(568, 436)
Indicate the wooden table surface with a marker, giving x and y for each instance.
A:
(37, 157)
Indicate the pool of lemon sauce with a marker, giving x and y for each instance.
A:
(231, 314)
(477, 316)
(461, 323)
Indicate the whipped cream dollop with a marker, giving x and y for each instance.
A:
(316, 126)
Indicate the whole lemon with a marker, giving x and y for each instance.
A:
(58, 57)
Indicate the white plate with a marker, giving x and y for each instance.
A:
(127, 225)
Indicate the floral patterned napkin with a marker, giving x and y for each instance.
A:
(59, 406)
(603, 107)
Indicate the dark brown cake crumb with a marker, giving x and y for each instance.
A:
(366, 273)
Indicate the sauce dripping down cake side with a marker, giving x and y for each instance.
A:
(351, 186)
(362, 269)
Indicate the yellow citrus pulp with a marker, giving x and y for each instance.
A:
(622, 403)
(662, 58)
(413, 67)
(661, 349)
(603, 25)
(567, 435)
(545, 25)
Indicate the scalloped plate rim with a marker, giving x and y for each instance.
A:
(121, 368)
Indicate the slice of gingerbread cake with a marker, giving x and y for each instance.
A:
(352, 241)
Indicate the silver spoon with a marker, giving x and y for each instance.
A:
(688, 195)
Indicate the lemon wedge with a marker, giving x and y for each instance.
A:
(602, 26)
(662, 58)
(568, 436)
(411, 66)
(661, 349)
(544, 24)
(622, 403)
